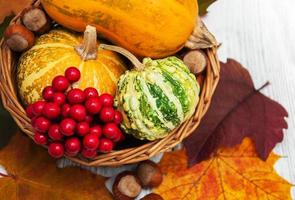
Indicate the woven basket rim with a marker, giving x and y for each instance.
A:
(11, 103)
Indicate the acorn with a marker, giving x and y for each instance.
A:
(126, 186)
(149, 174)
(152, 196)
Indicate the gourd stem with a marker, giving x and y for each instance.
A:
(201, 38)
(88, 49)
(137, 64)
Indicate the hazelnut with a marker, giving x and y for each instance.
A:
(19, 38)
(149, 174)
(196, 61)
(36, 20)
(126, 186)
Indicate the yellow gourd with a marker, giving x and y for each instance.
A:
(59, 49)
(147, 28)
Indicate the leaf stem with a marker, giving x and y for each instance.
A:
(263, 86)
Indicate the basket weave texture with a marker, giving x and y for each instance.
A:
(12, 104)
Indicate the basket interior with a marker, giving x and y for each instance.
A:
(125, 154)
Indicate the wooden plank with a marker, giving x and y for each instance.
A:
(261, 35)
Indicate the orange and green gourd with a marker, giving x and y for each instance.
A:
(147, 28)
(55, 51)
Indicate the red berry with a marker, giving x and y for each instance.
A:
(118, 117)
(38, 107)
(59, 98)
(54, 133)
(91, 141)
(93, 105)
(72, 74)
(107, 100)
(107, 114)
(41, 124)
(122, 137)
(60, 84)
(29, 111)
(65, 110)
(82, 128)
(56, 150)
(73, 145)
(40, 139)
(48, 93)
(106, 145)
(51, 110)
(118, 137)
(78, 112)
(67, 126)
(75, 96)
(33, 121)
(110, 130)
(90, 92)
(96, 130)
(88, 119)
(88, 153)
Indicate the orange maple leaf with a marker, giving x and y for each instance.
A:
(8, 7)
(232, 174)
(32, 174)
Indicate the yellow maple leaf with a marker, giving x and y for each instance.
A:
(33, 175)
(232, 174)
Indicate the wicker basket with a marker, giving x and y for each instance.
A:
(13, 105)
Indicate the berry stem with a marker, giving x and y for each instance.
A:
(88, 49)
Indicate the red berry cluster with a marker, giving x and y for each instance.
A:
(71, 121)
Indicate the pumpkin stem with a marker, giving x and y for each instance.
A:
(137, 64)
(88, 49)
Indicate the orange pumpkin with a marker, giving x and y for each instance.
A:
(147, 28)
(59, 49)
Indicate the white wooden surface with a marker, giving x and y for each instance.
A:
(261, 35)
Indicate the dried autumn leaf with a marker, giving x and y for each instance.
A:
(7, 124)
(32, 174)
(233, 174)
(203, 5)
(237, 111)
(12, 7)
(5, 24)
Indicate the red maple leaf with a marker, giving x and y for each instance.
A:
(237, 111)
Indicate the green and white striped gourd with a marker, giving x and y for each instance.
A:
(156, 96)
